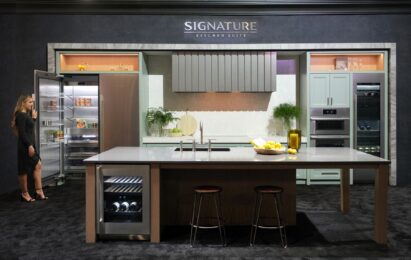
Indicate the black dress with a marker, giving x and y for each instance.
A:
(25, 129)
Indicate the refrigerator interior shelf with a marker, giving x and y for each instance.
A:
(85, 118)
(89, 107)
(75, 167)
(51, 144)
(55, 125)
(51, 96)
(49, 111)
(83, 144)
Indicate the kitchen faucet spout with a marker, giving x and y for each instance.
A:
(201, 132)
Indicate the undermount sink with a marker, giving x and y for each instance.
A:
(204, 149)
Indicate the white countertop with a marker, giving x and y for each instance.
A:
(236, 155)
(241, 139)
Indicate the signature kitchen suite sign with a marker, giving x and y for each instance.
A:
(224, 28)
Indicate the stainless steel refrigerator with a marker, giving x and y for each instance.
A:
(81, 115)
(369, 119)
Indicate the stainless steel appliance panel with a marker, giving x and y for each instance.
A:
(369, 121)
(330, 121)
(49, 127)
(330, 141)
(119, 110)
(119, 188)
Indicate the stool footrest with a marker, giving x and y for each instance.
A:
(205, 227)
(269, 227)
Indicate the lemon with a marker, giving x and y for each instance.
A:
(292, 151)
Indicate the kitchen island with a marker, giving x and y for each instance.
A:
(173, 173)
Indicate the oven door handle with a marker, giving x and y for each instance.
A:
(329, 118)
(330, 137)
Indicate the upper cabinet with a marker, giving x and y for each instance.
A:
(329, 90)
(224, 71)
(346, 62)
(94, 62)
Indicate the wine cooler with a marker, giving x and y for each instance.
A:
(123, 201)
(369, 121)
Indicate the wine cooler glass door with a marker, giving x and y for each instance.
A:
(123, 199)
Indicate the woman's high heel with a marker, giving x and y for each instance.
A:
(22, 198)
(41, 196)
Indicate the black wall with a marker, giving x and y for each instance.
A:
(24, 38)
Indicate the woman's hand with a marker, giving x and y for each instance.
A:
(31, 151)
(34, 114)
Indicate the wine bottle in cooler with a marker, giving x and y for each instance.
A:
(133, 206)
(124, 206)
(115, 206)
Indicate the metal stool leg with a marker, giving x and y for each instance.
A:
(253, 220)
(260, 200)
(192, 218)
(222, 219)
(219, 219)
(198, 218)
(281, 226)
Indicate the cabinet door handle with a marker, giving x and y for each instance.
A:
(331, 101)
(328, 101)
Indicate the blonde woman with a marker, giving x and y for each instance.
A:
(28, 160)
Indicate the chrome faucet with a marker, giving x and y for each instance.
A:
(201, 133)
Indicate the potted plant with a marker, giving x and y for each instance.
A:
(287, 112)
(157, 119)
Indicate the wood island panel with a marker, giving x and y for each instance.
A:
(90, 203)
(238, 196)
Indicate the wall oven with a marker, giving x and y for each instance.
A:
(330, 127)
(330, 121)
(123, 201)
(330, 140)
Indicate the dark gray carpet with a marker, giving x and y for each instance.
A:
(54, 229)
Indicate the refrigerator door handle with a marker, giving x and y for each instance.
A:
(99, 199)
(102, 136)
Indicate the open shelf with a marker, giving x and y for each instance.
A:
(349, 62)
(98, 62)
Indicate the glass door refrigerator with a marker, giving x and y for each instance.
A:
(49, 102)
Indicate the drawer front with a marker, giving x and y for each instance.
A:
(325, 174)
(301, 174)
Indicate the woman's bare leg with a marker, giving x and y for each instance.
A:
(23, 187)
(37, 180)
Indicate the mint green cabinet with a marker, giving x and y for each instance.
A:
(319, 90)
(329, 90)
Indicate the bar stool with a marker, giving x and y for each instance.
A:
(276, 193)
(213, 192)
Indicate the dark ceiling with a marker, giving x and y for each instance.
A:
(213, 7)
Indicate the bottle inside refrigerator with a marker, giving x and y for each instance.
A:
(81, 122)
(123, 201)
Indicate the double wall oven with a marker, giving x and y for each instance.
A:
(330, 127)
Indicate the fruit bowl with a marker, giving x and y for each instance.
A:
(269, 151)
